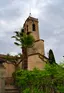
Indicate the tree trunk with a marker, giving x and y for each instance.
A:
(16, 67)
(25, 58)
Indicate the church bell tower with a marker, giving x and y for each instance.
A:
(31, 25)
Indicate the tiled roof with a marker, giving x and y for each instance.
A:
(31, 18)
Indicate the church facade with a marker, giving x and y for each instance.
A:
(36, 57)
(36, 54)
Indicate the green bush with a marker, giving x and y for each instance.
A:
(40, 81)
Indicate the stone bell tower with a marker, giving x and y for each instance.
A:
(31, 25)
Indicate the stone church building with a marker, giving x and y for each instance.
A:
(36, 54)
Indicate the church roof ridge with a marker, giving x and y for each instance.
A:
(31, 18)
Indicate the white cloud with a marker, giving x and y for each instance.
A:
(13, 53)
(51, 43)
(51, 18)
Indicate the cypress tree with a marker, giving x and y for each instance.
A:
(51, 57)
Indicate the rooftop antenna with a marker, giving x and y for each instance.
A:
(30, 12)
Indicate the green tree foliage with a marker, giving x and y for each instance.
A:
(62, 63)
(24, 40)
(15, 60)
(51, 57)
(40, 81)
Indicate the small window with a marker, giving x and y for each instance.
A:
(27, 28)
(33, 27)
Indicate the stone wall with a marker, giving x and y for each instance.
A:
(9, 69)
(35, 62)
(37, 48)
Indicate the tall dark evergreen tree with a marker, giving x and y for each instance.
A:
(51, 57)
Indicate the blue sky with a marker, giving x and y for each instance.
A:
(50, 13)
